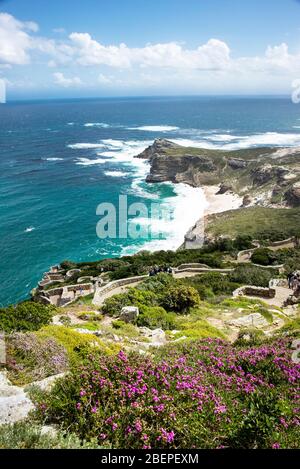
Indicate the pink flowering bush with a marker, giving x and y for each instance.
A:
(30, 358)
(205, 394)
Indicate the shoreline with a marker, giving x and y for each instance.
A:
(216, 203)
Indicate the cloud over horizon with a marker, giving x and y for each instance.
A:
(173, 62)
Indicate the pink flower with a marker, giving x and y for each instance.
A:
(138, 426)
(276, 446)
(167, 436)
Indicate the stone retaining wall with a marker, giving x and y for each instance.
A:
(250, 290)
(195, 265)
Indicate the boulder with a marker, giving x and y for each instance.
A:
(129, 314)
(251, 320)
(247, 200)
(224, 188)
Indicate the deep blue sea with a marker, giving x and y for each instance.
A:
(60, 159)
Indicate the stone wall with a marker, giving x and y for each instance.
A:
(250, 290)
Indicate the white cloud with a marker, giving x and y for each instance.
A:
(15, 42)
(213, 55)
(166, 66)
(61, 80)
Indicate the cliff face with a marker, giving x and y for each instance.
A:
(267, 176)
(171, 162)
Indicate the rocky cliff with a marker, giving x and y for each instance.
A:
(266, 176)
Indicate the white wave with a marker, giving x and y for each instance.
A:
(90, 162)
(70, 123)
(241, 142)
(108, 154)
(103, 125)
(29, 229)
(178, 216)
(54, 159)
(155, 128)
(85, 146)
(116, 173)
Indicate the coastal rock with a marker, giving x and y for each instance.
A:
(235, 163)
(263, 174)
(171, 162)
(247, 200)
(129, 314)
(224, 188)
(292, 196)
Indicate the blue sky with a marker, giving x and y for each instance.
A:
(133, 47)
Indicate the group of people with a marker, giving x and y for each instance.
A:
(294, 281)
(158, 270)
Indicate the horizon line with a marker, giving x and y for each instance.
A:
(79, 98)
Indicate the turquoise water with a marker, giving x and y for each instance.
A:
(60, 159)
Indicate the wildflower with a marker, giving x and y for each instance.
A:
(168, 437)
(276, 446)
(138, 426)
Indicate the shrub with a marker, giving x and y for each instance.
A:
(204, 394)
(77, 345)
(134, 297)
(180, 299)
(197, 329)
(29, 358)
(29, 435)
(68, 265)
(156, 317)
(249, 337)
(263, 256)
(27, 316)
(251, 275)
(211, 284)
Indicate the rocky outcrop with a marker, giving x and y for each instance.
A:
(292, 196)
(171, 162)
(129, 314)
(235, 163)
(224, 188)
(262, 174)
(247, 200)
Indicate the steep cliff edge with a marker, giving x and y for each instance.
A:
(263, 176)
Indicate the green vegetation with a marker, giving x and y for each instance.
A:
(156, 317)
(247, 274)
(264, 256)
(205, 394)
(180, 299)
(274, 224)
(212, 285)
(29, 435)
(77, 345)
(32, 358)
(27, 316)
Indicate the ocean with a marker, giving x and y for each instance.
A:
(60, 159)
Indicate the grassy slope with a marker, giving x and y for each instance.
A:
(259, 222)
